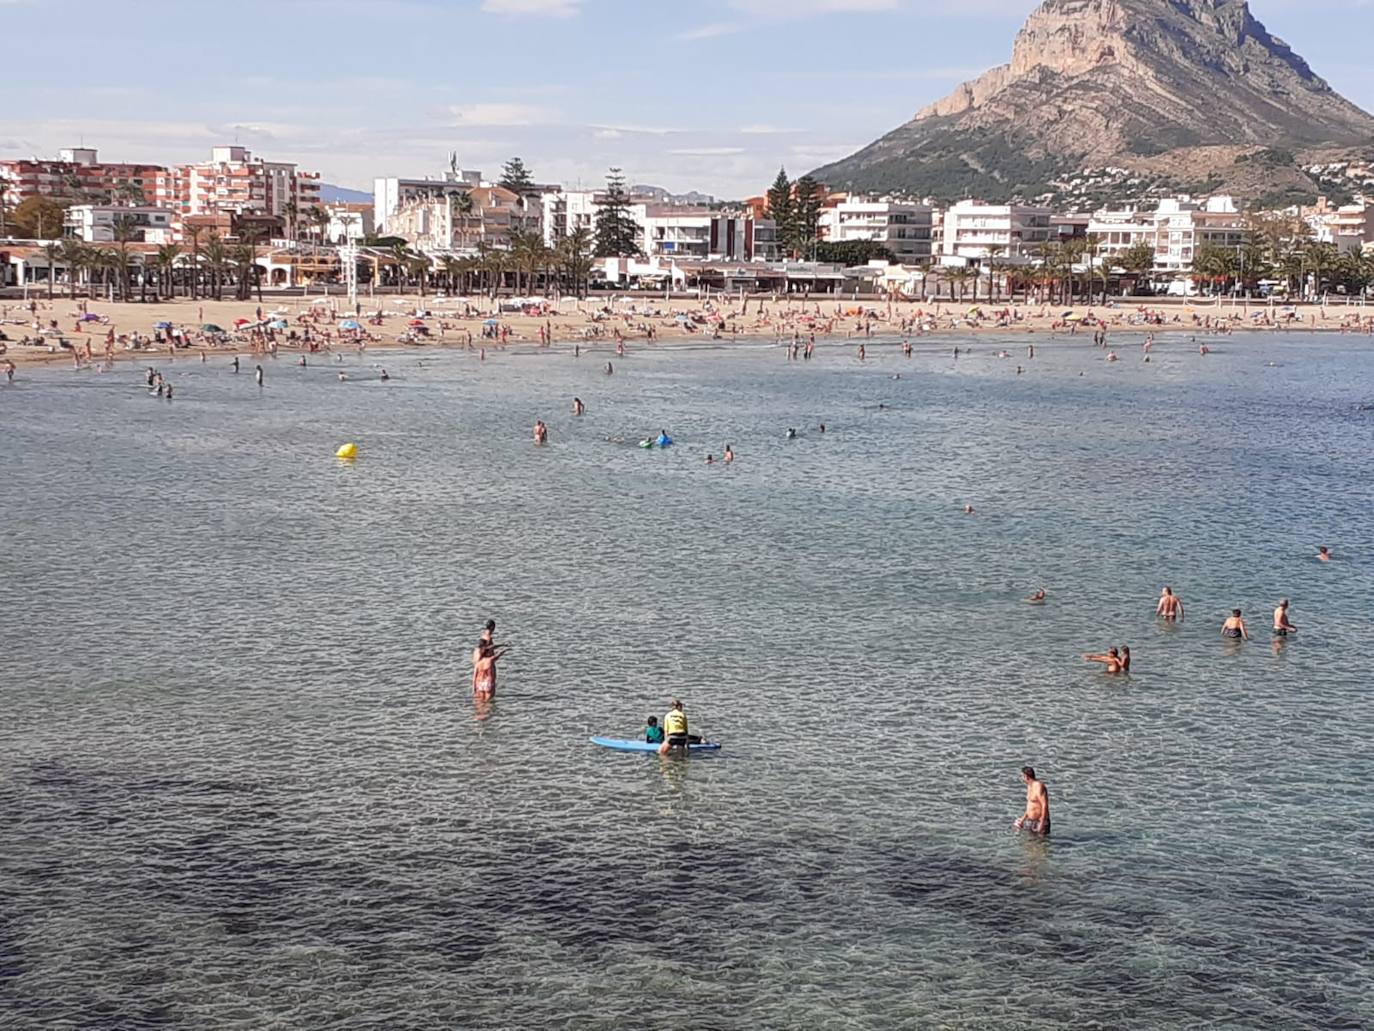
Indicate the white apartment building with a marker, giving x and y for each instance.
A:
(96, 223)
(903, 228)
(388, 194)
(1113, 233)
(669, 232)
(1183, 226)
(566, 211)
(1176, 230)
(972, 229)
(443, 223)
(1350, 228)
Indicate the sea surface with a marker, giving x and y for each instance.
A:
(244, 783)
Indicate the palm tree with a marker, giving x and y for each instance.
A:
(453, 267)
(166, 259)
(106, 262)
(194, 233)
(216, 263)
(995, 251)
(50, 253)
(574, 258)
(126, 230)
(418, 267)
(76, 256)
(290, 212)
(495, 261)
(320, 217)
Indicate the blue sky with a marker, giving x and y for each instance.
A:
(711, 95)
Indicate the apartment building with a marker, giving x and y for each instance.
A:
(97, 223)
(565, 211)
(972, 231)
(1177, 229)
(235, 181)
(462, 221)
(1350, 227)
(677, 233)
(79, 175)
(390, 193)
(905, 229)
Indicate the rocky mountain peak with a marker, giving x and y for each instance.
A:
(1102, 80)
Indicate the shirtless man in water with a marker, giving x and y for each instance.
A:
(1036, 818)
(1170, 606)
(1282, 627)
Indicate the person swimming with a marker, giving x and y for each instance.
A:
(791, 433)
(1111, 658)
(1323, 554)
(1037, 597)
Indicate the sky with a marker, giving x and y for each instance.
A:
(712, 95)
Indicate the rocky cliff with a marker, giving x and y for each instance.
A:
(1094, 82)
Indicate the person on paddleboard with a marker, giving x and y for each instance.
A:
(675, 732)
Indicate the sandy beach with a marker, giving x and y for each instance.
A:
(136, 330)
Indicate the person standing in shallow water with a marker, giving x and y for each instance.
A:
(1234, 627)
(1036, 818)
(1170, 605)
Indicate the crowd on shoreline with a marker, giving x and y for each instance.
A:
(37, 330)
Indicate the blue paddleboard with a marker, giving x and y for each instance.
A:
(622, 745)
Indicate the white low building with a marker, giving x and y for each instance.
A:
(974, 232)
(903, 228)
(99, 223)
(702, 235)
(1176, 230)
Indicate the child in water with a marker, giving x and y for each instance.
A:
(653, 733)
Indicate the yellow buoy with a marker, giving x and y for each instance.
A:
(347, 451)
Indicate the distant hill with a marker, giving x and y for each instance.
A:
(1196, 87)
(658, 195)
(331, 194)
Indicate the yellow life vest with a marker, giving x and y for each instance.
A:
(675, 723)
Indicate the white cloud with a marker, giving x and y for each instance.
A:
(538, 8)
(706, 152)
(807, 8)
(498, 114)
(712, 30)
(757, 13)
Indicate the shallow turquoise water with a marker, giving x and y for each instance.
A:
(246, 786)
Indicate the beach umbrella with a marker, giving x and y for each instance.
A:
(416, 322)
(1066, 314)
(162, 325)
(350, 324)
(89, 317)
(278, 324)
(210, 327)
(240, 322)
(489, 322)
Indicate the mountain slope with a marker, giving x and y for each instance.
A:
(1098, 82)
